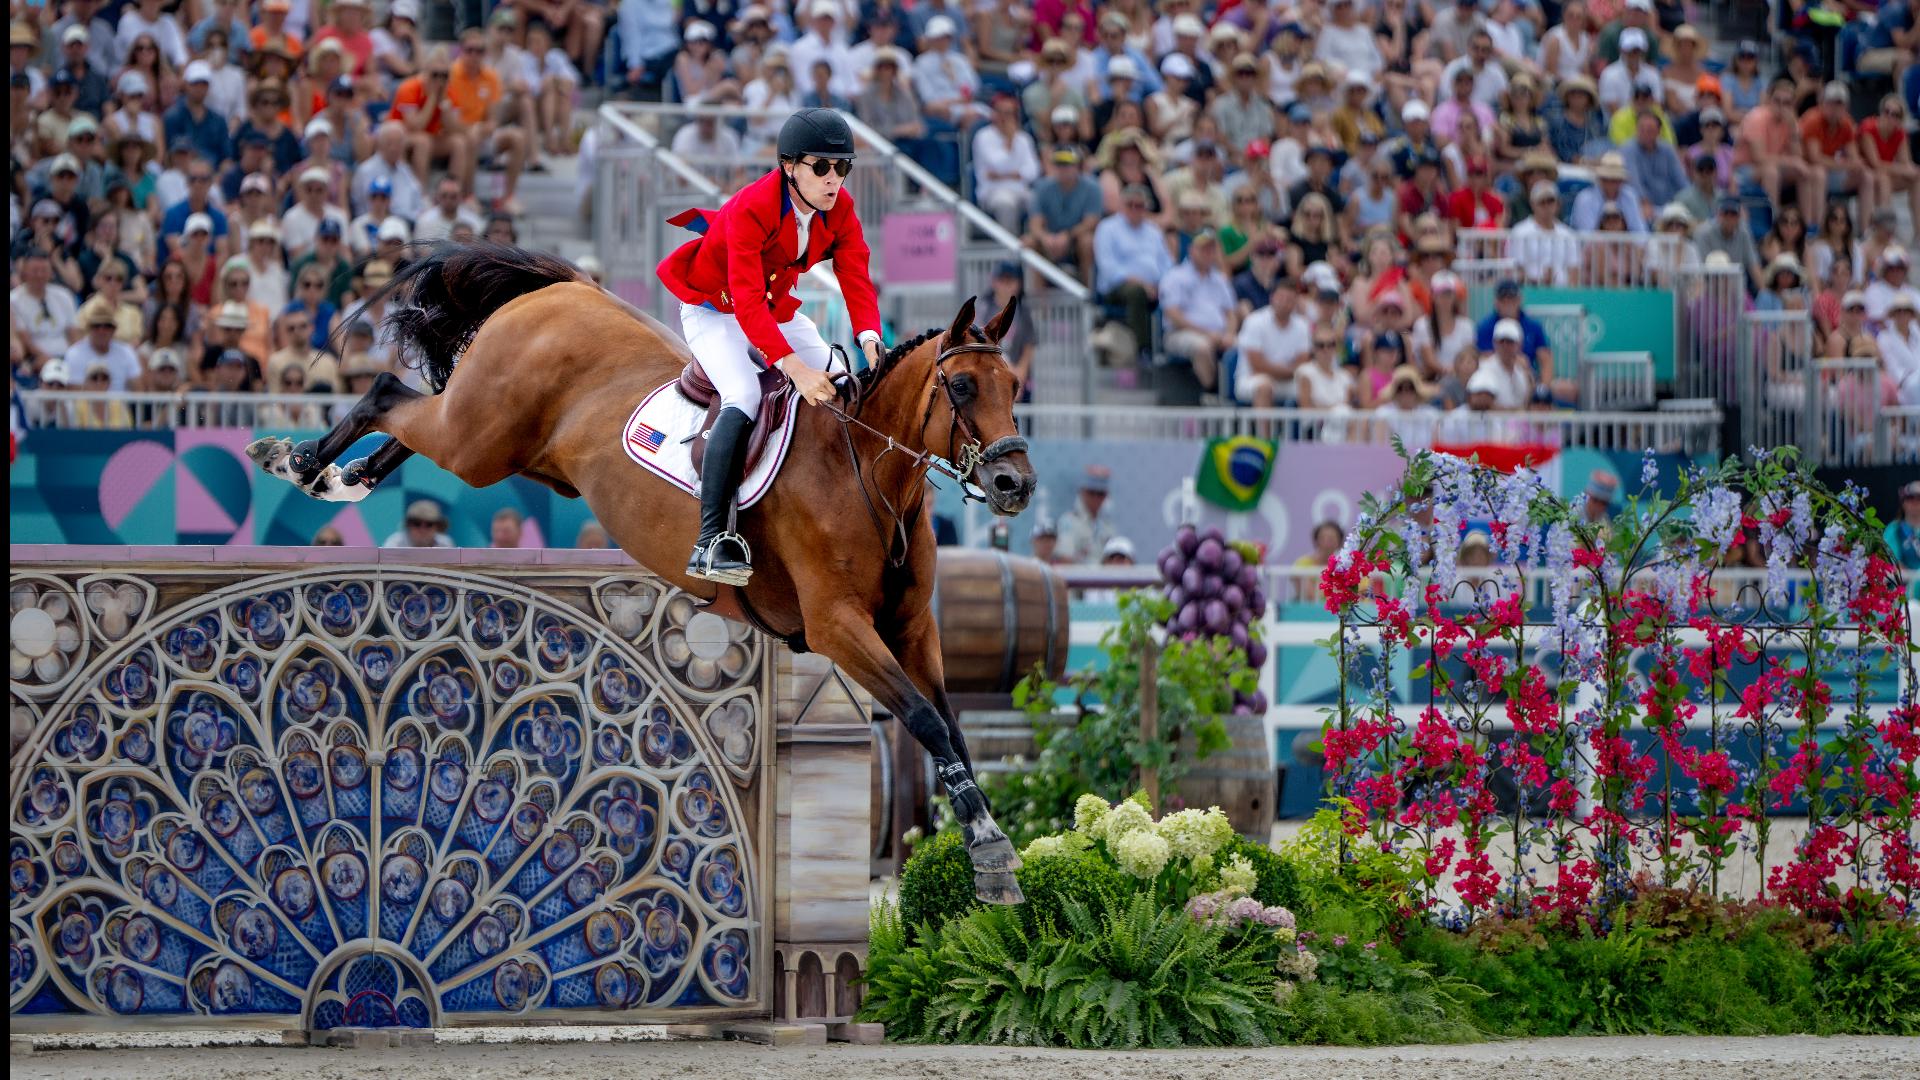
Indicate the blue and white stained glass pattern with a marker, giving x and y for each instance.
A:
(375, 798)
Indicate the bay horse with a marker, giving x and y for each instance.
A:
(535, 371)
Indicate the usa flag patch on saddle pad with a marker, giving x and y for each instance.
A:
(659, 436)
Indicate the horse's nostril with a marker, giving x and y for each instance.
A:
(1007, 483)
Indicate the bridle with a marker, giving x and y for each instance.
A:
(963, 459)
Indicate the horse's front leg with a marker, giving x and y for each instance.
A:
(848, 638)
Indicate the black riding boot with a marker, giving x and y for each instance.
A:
(720, 554)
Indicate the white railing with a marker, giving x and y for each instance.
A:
(1594, 260)
(1688, 432)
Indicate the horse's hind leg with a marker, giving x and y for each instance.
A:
(388, 391)
(309, 465)
(377, 466)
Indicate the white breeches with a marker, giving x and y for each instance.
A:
(721, 347)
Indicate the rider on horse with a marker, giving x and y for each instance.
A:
(739, 315)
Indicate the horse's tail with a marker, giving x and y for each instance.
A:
(446, 290)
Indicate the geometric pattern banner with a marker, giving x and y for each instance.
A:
(382, 795)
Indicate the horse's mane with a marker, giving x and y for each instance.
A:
(872, 376)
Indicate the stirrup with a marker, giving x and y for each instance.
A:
(701, 565)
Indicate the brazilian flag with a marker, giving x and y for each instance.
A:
(1234, 471)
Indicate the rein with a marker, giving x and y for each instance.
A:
(961, 462)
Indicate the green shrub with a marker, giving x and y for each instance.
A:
(1139, 975)
(937, 883)
(1318, 1013)
(1871, 985)
(1279, 882)
(901, 978)
(1053, 881)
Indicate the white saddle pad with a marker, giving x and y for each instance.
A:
(659, 436)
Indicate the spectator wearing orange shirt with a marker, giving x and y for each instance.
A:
(1767, 149)
(435, 129)
(273, 27)
(349, 28)
(478, 93)
(1827, 137)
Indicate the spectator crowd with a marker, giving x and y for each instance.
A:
(1237, 179)
(204, 192)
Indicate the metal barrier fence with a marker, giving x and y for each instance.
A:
(1774, 359)
(637, 166)
(1708, 302)
(1612, 381)
(1595, 260)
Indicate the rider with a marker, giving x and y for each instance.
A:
(735, 284)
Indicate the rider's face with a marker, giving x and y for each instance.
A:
(817, 190)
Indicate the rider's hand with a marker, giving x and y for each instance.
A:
(871, 347)
(813, 386)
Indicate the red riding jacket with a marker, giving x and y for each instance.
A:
(746, 261)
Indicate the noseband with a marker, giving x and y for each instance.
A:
(963, 458)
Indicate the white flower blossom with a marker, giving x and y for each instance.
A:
(1142, 853)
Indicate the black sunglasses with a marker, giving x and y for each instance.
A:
(821, 166)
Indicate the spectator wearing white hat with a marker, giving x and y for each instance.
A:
(227, 94)
(302, 219)
(948, 88)
(1111, 34)
(101, 55)
(1618, 79)
(922, 14)
(1609, 186)
(1348, 42)
(198, 175)
(266, 264)
(319, 138)
(1899, 343)
(1170, 111)
(824, 40)
(90, 85)
(887, 103)
(1829, 141)
(1890, 283)
(1199, 309)
(1545, 251)
(145, 17)
(1635, 15)
(191, 119)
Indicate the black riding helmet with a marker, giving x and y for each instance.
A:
(821, 133)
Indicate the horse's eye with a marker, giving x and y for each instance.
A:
(962, 387)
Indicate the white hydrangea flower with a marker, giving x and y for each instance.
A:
(1124, 818)
(1142, 853)
(1186, 832)
(1237, 877)
(1045, 846)
(1088, 810)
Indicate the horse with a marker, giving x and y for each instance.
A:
(534, 371)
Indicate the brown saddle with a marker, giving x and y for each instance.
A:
(776, 397)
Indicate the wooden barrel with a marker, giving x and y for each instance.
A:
(993, 736)
(999, 615)
(1240, 780)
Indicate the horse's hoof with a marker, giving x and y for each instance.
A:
(356, 473)
(306, 457)
(994, 856)
(269, 451)
(1000, 888)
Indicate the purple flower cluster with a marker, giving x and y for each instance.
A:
(1222, 909)
(1716, 517)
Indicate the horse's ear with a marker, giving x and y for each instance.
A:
(963, 322)
(997, 329)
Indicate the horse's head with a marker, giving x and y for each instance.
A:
(973, 396)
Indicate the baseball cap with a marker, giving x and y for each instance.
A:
(1506, 287)
(315, 175)
(1414, 110)
(1854, 298)
(1640, 5)
(394, 229)
(1122, 67)
(263, 229)
(256, 182)
(82, 124)
(1633, 38)
(1901, 301)
(197, 222)
(47, 208)
(1911, 490)
(404, 9)
(1065, 114)
(200, 71)
(940, 26)
(1727, 204)
(378, 272)
(329, 227)
(74, 33)
(66, 163)
(380, 185)
(1177, 66)
(1258, 150)
(425, 510)
(1066, 155)
(1542, 190)
(1299, 113)
(1045, 527)
(1893, 255)
(1118, 545)
(231, 356)
(1835, 91)
(1097, 478)
(319, 125)
(342, 85)
(1484, 381)
(165, 358)
(1446, 281)
(55, 371)
(1188, 24)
